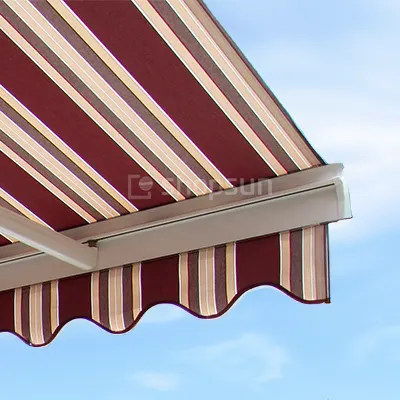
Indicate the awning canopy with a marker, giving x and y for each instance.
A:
(143, 161)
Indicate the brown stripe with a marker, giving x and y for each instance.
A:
(296, 262)
(46, 310)
(103, 298)
(127, 295)
(25, 313)
(108, 75)
(207, 63)
(193, 263)
(220, 278)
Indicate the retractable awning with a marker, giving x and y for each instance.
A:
(143, 161)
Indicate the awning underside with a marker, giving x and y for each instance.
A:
(205, 282)
(115, 109)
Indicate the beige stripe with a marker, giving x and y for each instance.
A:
(54, 306)
(320, 263)
(184, 279)
(115, 304)
(251, 98)
(60, 46)
(105, 55)
(250, 78)
(285, 259)
(212, 89)
(95, 296)
(307, 263)
(231, 285)
(203, 282)
(65, 149)
(89, 109)
(211, 296)
(46, 183)
(136, 289)
(59, 170)
(35, 314)
(18, 311)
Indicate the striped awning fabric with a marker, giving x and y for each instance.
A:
(205, 282)
(112, 107)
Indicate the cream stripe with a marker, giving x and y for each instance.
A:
(210, 263)
(307, 263)
(88, 109)
(35, 314)
(202, 267)
(46, 183)
(115, 304)
(18, 311)
(54, 306)
(65, 149)
(184, 279)
(312, 260)
(136, 289)
(106, 56)
(95, 296)
(20, 137)
(285, 260)
(105, 92)
(212, 89)
(255, 103)
(231, 280)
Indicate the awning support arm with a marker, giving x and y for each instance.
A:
(46, 240)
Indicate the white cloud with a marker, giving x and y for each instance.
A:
(163, 313)
(386, 340)
(160, 381)
(251, 360)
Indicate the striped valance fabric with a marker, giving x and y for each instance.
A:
(205, 282)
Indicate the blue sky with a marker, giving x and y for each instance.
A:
(334, 66)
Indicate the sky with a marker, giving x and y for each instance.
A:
(334, 66)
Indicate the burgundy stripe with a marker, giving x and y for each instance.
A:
(7, 311)
(21, 77)
(121, 26)
(296, 262)
(160, 281)
(193, 278)
(258, 262)
(127, 295)
(74, 298)
(202, 57)
(103, 300)
(26, 332)
(220, 278)
(4, 241)
(46, 311)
